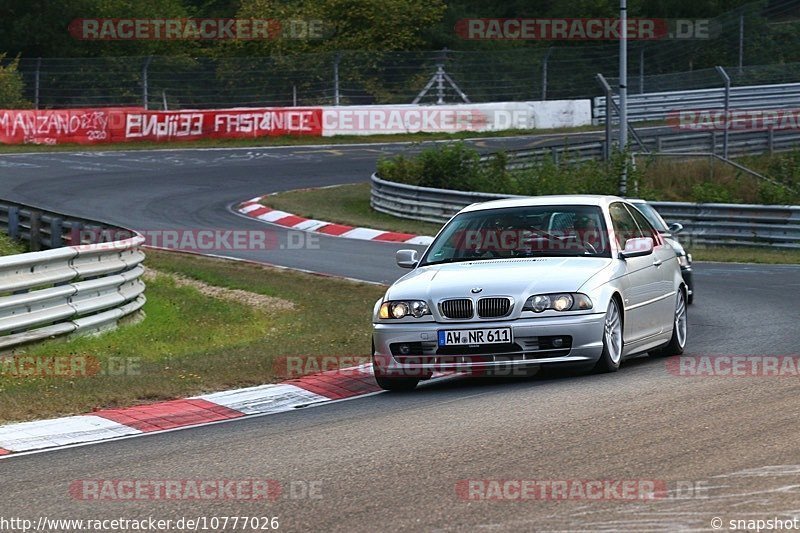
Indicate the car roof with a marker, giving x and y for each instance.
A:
(558, 199)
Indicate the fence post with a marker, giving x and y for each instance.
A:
(336, 58)
(607, 90)
(36, 83)
(741, 42)
(164, 98)
(13, 222)
(641, 70)
(544, 72)
(144, 80)
(727, 80)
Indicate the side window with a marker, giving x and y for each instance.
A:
(645, 226)
(624, 225)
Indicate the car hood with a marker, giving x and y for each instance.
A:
(518, 278)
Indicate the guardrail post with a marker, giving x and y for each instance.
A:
(658, 143)
(554, 150)
(56, 229)
(770, 140)
(13, 222)
(36, 231)
(713, 142)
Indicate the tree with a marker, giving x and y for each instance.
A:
(11, 85)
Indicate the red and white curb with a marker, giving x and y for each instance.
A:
(254, 209)
(130, 421)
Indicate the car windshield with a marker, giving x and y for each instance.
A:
(528, 231)
(652, 216)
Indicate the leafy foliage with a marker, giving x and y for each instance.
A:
(11, 85)
(458, 167)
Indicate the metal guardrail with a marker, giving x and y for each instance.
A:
(74, 287)
(656, 106)
(705, 224)
(739, 143)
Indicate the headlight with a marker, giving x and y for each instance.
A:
(402, 309)
(559, 302)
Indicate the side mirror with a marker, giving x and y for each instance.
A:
(406, 258)
(675, 227)
(637, 247)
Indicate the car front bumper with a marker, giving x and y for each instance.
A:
(531, 346)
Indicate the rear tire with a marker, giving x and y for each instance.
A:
(613, 343)
(680, 329)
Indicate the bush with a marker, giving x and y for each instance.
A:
(11, 85)
(458, 167)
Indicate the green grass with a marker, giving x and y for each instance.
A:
(190, 343)
(9, 246)
(345, 204)
(747, 255)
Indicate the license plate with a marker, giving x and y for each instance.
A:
(465, 337)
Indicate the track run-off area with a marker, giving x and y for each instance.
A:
(723, 447)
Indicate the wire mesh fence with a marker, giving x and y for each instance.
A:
(349, 78)
(743, 40)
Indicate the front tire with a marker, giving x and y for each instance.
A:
(611, 357)
(680, 329)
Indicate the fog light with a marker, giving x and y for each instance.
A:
(405, 349)
(558, 342)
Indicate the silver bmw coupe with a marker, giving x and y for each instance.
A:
(510, 285)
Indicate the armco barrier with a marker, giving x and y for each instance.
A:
(70, 288)
(656, 106)
(739, 143)
(705, 224)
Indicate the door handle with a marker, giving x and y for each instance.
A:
(657, 262)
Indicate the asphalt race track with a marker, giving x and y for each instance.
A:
(394, 461)
(194, 189)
